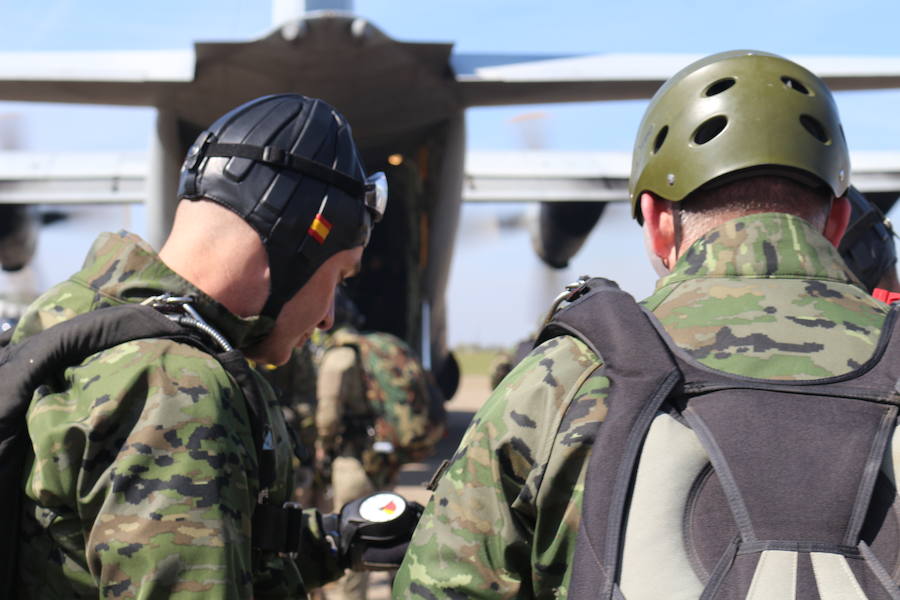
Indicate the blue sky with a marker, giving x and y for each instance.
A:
(529, 26)
(871, 119)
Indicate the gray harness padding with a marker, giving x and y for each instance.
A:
(794, 464)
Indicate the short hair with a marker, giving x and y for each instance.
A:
(709, 206)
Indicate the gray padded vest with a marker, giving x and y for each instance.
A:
(703, 484)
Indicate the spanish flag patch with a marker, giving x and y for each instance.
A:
(319, 229)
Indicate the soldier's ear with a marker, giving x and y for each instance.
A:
(837, 221)
(659, 227)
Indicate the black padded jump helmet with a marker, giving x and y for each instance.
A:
(289, 167)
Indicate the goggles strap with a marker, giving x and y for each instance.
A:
(271, 155)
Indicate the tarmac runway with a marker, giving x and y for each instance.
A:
(473, 391)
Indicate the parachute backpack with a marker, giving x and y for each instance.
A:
(732, 487)
(27, 364)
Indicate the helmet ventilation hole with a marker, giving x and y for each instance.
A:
(815, 128)
(795, 85)
(709, 129)
(660, 138)
(719, 86)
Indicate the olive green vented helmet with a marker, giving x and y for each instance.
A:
(735, 113)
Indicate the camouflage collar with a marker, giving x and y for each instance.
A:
(122, 267)
(774, 245)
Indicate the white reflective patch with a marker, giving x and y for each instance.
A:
(834, 579)
(775, 577)
(655, 562)
(382, 507)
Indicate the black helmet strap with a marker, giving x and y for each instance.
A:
(286, 160)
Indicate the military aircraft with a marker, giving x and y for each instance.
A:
(406, 102)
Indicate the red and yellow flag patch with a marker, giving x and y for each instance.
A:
(319, 229)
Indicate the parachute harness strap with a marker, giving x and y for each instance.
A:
(276, 529)
(175, 307)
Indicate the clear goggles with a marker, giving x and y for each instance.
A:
(376, 196)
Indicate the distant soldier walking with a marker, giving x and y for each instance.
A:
(376, 411)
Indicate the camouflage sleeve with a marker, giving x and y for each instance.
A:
(336, 375)
(143, 464)
(480, 535)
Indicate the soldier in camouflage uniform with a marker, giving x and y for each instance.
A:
(145, 473)
(742, 204)
(372, 415)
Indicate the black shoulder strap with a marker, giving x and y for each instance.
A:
(30, 362)
(26, 365)
(615, 327)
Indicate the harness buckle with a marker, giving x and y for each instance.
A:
(572, 292)
(275, 156)
(294, 528)
(175, 307)
(197, 151)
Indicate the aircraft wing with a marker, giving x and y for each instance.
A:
(555, 176)
(487, 80)
(546, 176)
(73, 177)
(138, 78)
(490, 176)
(156, 77)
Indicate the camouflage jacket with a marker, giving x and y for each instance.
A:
(143, 479)
(295, 385)
(762, 296)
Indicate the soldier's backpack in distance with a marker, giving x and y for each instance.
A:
(408, 411)
(703, 484)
